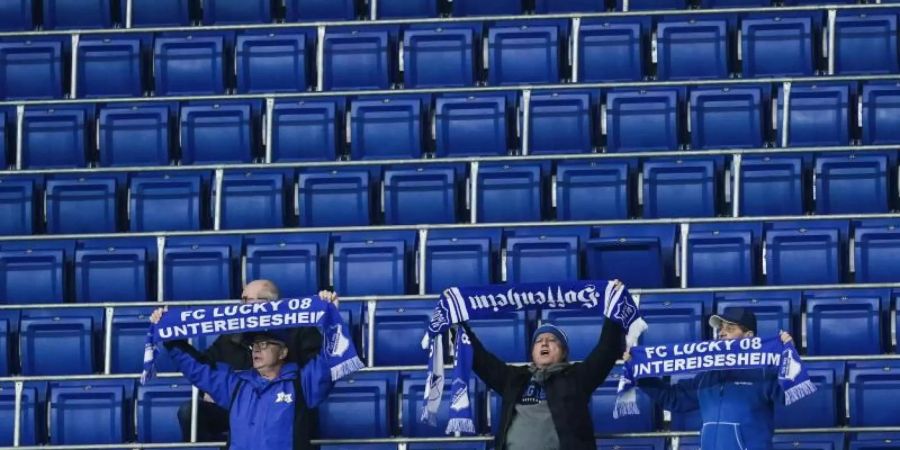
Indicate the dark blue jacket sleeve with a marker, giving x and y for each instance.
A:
(682, 397)
(218, 380)
(315, 378)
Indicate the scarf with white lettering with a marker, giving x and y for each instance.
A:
(183, 323)
(694, 357)
(462, 304)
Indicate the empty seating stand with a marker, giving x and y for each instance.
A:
(223, 12)
(294, 262)
(427, 194)
(262, 192)
(643, 120)
(219, 132)
(470, 125)
(190, 63)
(437, 56)
(373, 263)
(561, 122)
(387, 127)
(819, 114)
(866, 42)
(163, 201)
(464, 257)
(877, 243)
(728, 117)
(523, 53)
(18, 207)
(110, 66)
(146, 13)
(307, 130)
(358, 58)
(136, 134)
(779, 44)
(17, 15)
(613, 49)
(60, 14)
(87, 204)
(694, 48)
(274, 61)
(32, 68)
(56, 137)
(593, 190)
(880, 106)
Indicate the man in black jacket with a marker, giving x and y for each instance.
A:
(545, 406)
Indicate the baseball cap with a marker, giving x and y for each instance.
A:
(282, 336)
(739, 316)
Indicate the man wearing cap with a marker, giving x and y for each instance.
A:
(545, 404)
(737, 406)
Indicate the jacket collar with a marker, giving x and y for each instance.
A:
(289, 371)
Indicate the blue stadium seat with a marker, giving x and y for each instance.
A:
(691, 48)
(819, 114)
(805, 252)
(723, 254)
(359, 447)
(218, 132)
(335, 197)
(875, 251)
(728, 117)
(399, 327)
(29, 414)
(880, 113)
(114, 270)
(681, 188)
(189, 64)
(525, 52)
(294, 262)
(612, 49)
(581, 327)
(34, 272)
(56, 137)
(136, 135)
(448, 446)
(510, 193)
(357, 58)
(18, 207)
(148, 13)
(480, 8)
(535, 255)
(566, 6)
(871, 394)
(87, 204)
(388, 127)
(32, 68)
(9, 334)
(224, 12)
(642, 256)
(820, 410)
(686, 421)
(845, 322)
(865, 42)
(873, 441)
(632, 444)
(603, 402)
(398, 9)
(262, 192)
(307, 130)
(161, 202)
(157, 409)
(110, 66)
(460, 257)
(90, 412)
(818, 2)
(307, 10)
(637, 5)
(470, 125)
(373, 263)
(818, 441)
(360, 406)
(422, 194)
(593, 190)
(643, 120)
(733, 3)
(506, 335)
(200, 267)
(80, 14)
(674, 318)
(439, 56)
(772, 185)
(561, 122)
(848, 184)
(412, 391)
(775, 310)
(17, 15)
(779, 44)
(273, 61)
(129, 336)
(59, 341)
(7, 131)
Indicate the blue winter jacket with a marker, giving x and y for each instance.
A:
(737, 407)
(264, 414)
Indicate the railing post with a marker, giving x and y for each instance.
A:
(195, 406)
(20, 128)
(267, 133)
(422, 268)
(160, 268)
(217, 213)
(785, 113)
(107, 341)
(526, 119)
(473, 191)
(685, 231)
(73, 85)
(736, 162)
(832, 16)
(17, 413)
(575, 47)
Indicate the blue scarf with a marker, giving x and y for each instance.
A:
(462, 304)
(750, 353)
(182, 323)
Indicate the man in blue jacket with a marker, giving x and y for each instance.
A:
(737, 407)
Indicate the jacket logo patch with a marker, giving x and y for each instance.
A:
(284, 397)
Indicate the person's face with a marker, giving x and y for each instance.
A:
(728, 331)
(267, 354)
(251, 294)
(547, 350)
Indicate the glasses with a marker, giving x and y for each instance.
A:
(262, 345)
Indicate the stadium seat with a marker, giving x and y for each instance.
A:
(79, 14)
(224, 12)
(308, 10)
(642, 256)
(687, 420)
(772, 185)
(560, 122)
(307, 130)
(691, 48)
(18, 207)
(34, 272)
(681, 188)
(412, 392)
(871, 394)
(32, 68)
(818, 441)
(270, 61)
(189, 64)
(657, 443)
(865, 42)
(636, 5)
(200, 267)
(775, 310)
(148, 13)
(263, 193)
(506, 335)
(804, 252)
(129, 336)
(875, 250)
(583, 329)
(873, 441)
(817, 2)
(733, 3)
(880, 112)
(87, 204)
(399, 327)
(29, 434)
(819, 114)
(728, 117)
(593, 190)
(448, 446)
(440, 56)
(567, 6)
(163, 202)
(360, 406)
(852, 184)
(603, 402)
(422, 194)
(216, 133)
(612, 49)
(114, 270)
(399, 9)
(17, 15)
(723, 254)
(845, 322)
(535, 255)
(90, 412)
(7, 131)
(135, 135)
(55, 137)
(359, 447)
(59, 341)
(679, 318)
(157, 409)
(373, 263)
(460, 257)
(492, 8)
(819, 410)
(110, 66)
(525, 52)
(357, 58)
(294, 262)
(387, 127)
(340, 197)
(642, 120)
(510, 193)
(9, 335)
(471, 125)
(778, 44)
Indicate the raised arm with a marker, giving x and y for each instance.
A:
(592, 372)
(680, 397)
(217, 380)
(491, 369)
